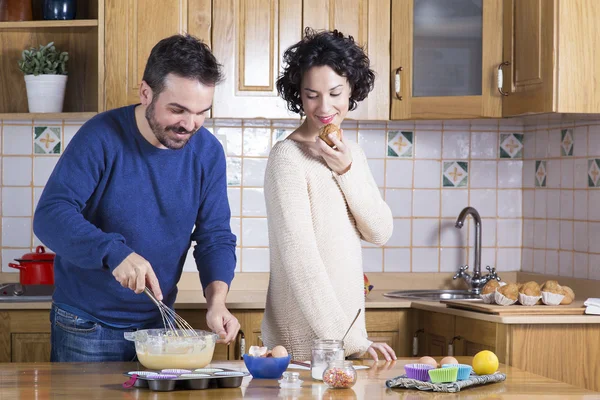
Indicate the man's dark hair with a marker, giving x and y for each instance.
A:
(182, 55)
(325, 48)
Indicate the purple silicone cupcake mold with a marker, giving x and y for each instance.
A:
(418, 371)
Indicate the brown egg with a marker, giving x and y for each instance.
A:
(448, 360)
(428, 360)
(279, 351)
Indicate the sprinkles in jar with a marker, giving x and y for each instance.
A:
(340, 375)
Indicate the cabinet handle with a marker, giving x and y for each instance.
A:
(397, 82)
(501, 78)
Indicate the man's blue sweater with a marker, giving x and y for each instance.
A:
(113, 193)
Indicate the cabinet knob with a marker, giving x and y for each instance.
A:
(397, 83)
(501, 78)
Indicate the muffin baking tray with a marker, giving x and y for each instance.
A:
(167, 380)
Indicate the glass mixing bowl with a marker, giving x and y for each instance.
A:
(163, 348)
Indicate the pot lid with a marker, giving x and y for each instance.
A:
(39, 255)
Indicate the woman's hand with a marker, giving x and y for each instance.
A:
(387, 352)
(339, 158)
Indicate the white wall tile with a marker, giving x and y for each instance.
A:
(399, 173)
(373, 142)
(567, 168)
(452, 259)
(510, 174)
(594, 267)
(594, 140)
(580, 138)
(425, 260)
(509, 203)
(257, 141)
(255, 260)
(396, 260)
(488, 257)
(16, 232)
(539, 261)
(9, 256)
(16, 202)
(234, 197)
(482, 174)
(69, 132)
(254, 171)
(528, 203)
(484, 144)
(427, 174)
(594, 237)
(451, 236)
(528, 232)
(453, 201)
(580, 236)
(552, 234)
(17, 139)
(580, 265)
(377, 168)
(401, 234)
(456, 145)
(484, 200)
(399, 201)
(541, 144)
(566, 204)
(428, 144)
(254, 232)
(580, 178)
(16, 171)
(528, 174)
(539, 234)
(489, 229)
(553, 174)
(236, 229)
(565, 263)
(553, 203)
(529, 145)
(566, 235)
(594, 205)
(527, 260)
(552, 262)
(554, 143)
(540, 201)
(508, 260)
(426, 203)
(509, 232)
(42, 168)
(372, 260)
(426, 232)
(253, 202)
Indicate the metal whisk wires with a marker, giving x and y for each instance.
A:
(174, 324)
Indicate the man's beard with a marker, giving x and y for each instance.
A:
(162, 133)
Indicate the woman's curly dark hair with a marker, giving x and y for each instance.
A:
(325, 48)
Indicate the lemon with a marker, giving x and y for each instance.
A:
(485, 362)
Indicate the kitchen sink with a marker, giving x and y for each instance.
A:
(434, 295)
(17, 293)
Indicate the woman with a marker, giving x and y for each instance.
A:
(321, 202)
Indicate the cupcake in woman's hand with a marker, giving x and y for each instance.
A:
(329, 129)
(530, 293)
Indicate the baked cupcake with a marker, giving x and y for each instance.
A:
(552, 293)
(489, 290)
(569, 296)
(329, 129)
(507, 294)
(530, 293)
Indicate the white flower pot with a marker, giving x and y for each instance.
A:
(45, 93)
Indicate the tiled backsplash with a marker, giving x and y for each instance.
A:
(427, 171)
(561, 217)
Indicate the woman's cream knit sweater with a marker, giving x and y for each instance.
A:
(316, 220)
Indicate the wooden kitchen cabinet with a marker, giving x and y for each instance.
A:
(25, 336)
(133, 27)
(437, 332)
(550, 47)
(249, 38)
(444, 59)
(473, 336)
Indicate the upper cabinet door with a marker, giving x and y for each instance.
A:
(133, 27)
(368, 22)
(529, 53)
(250, 37)
(445, 55)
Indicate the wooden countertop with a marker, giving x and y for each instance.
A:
(255, 300)
(104, 381)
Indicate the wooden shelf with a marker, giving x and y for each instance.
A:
(31, 116)
(74, 23)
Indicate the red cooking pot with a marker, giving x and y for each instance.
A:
(36, 268)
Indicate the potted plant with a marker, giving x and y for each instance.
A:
(45, 72)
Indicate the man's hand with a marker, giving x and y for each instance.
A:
(134, 272)
(218, 317)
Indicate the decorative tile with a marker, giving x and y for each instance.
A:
(540, 174)
(46, 140)
(594, 172)
(400, 144)
(566, 142)
(511, 145)
(234, 171)
(456, 173)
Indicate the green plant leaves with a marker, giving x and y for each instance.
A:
(45, 60)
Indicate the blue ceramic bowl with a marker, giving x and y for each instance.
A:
(266, 367)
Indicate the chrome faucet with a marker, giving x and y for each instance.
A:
(476, 281)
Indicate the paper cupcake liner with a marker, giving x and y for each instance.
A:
(552, 299)
(503, 300)
(488, 298)
(443, 375)
(162, 376)
(528, 300)
(464, 370)
(142, 373)
(207, 370)
(418, 371)
(175, 371)
(193, 375)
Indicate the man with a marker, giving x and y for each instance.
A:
(134, 188)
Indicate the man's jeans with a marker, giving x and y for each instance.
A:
(78, 339)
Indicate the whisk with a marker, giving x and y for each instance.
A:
(174, 324)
